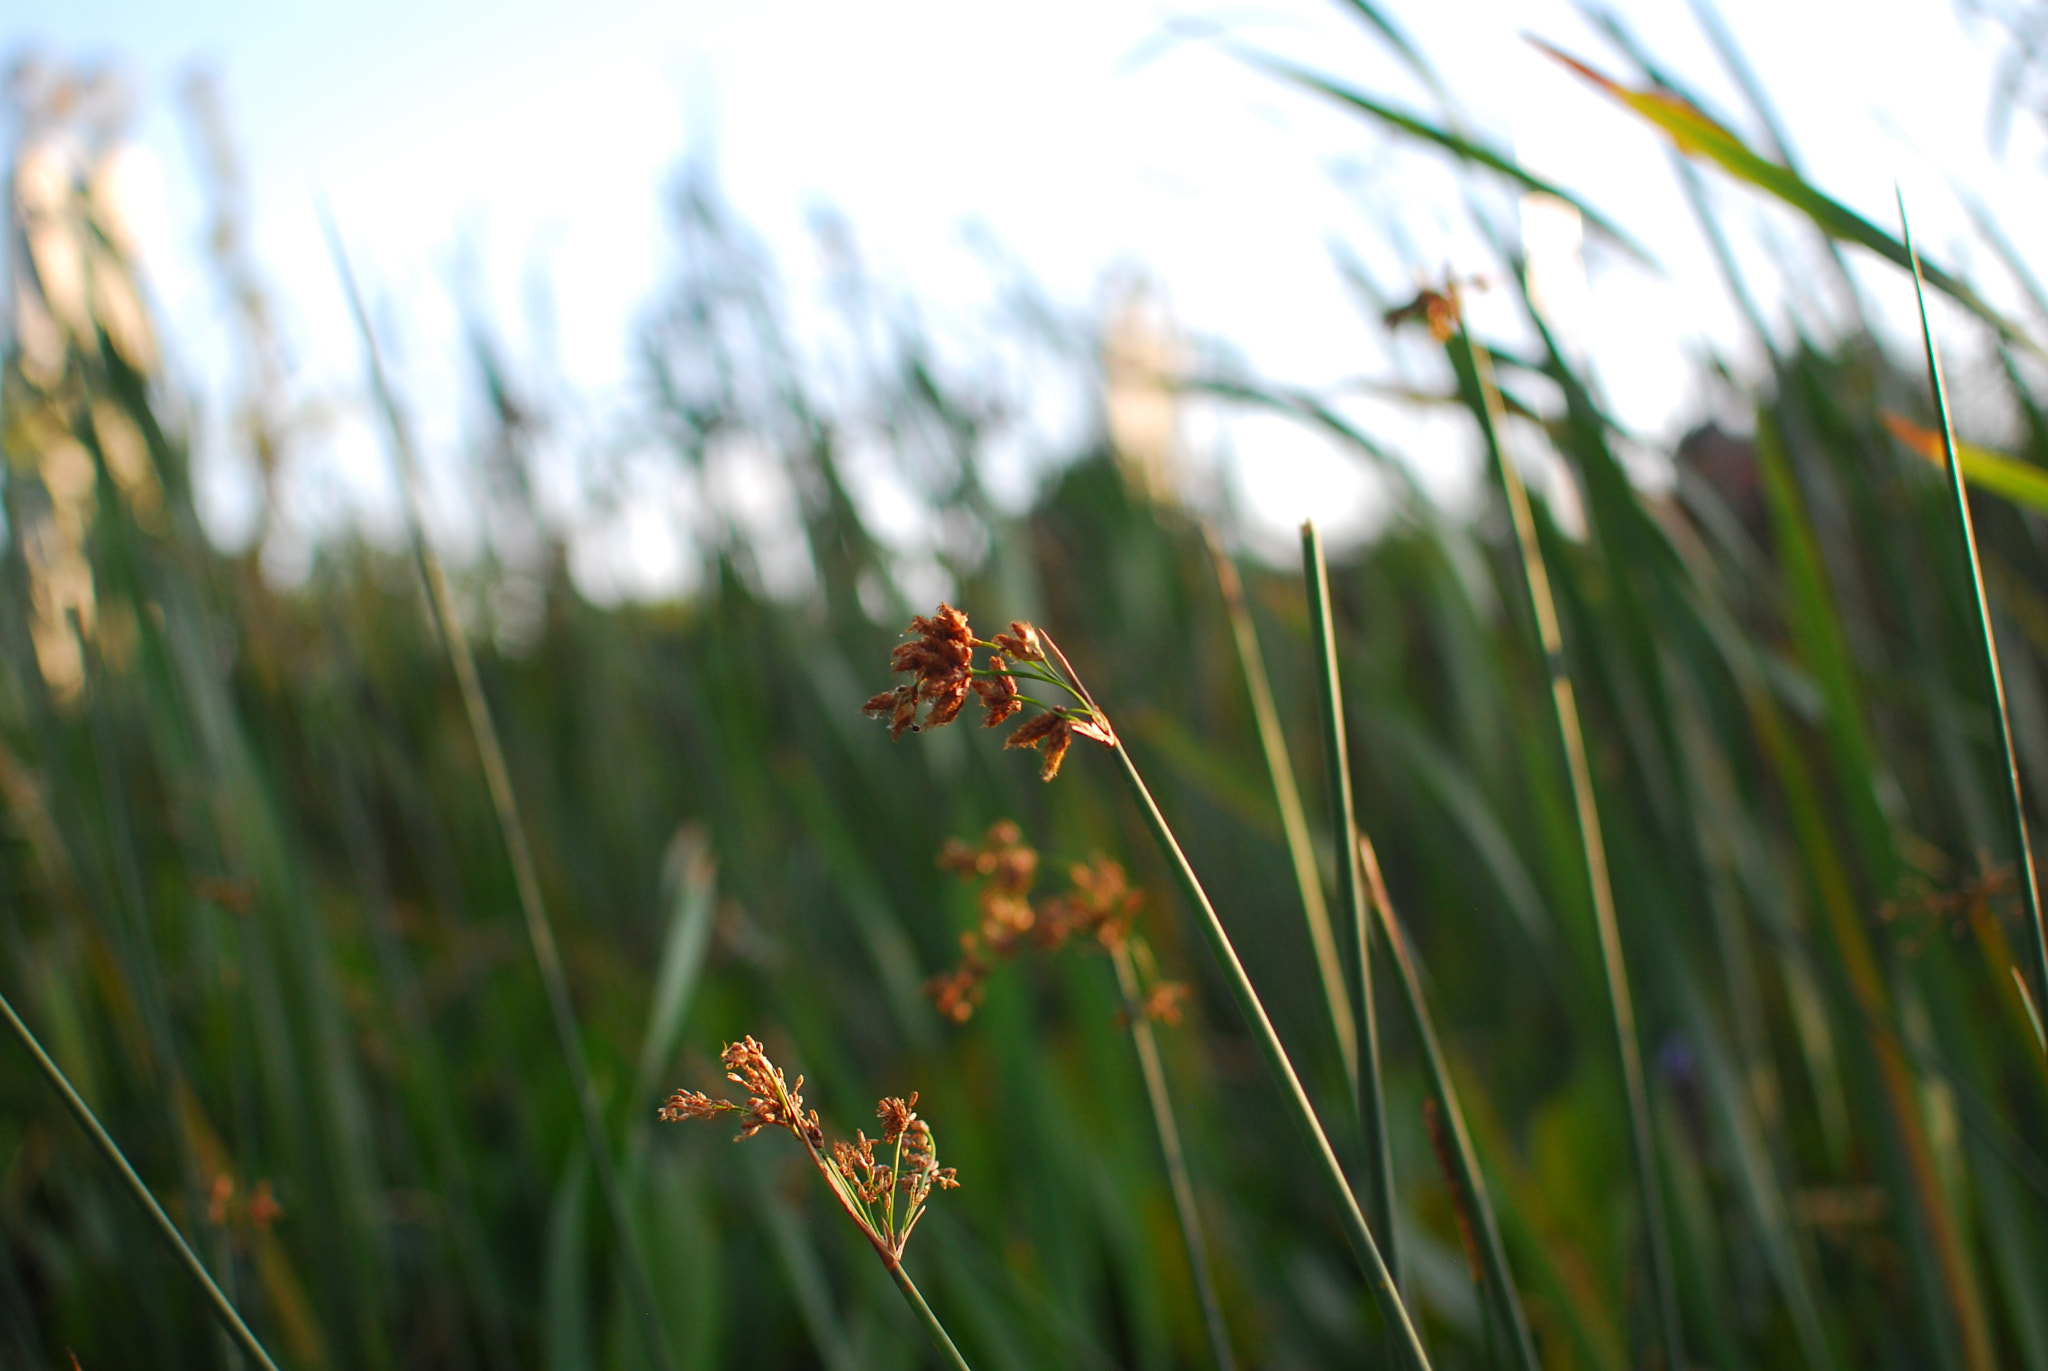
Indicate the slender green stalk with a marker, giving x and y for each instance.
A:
(168, 1231)
(1500, 1283)
(1369, 1096)
(1564, 704)
(935, 1330)
(2029, 883)
(1147, 1043)
(1293, 821)
(1303, 1113)
(498, 779)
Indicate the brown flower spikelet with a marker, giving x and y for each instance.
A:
(774, 1103)
(998, 693)
(1052, 733)
(1020, 642)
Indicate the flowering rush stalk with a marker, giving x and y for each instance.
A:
(940, 661)
(867, 1187)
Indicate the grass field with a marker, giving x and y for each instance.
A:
(1712, 1035)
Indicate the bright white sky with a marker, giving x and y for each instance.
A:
(540, 138)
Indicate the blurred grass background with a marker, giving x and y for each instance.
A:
(255, 901)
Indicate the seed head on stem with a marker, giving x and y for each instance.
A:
(940, 660)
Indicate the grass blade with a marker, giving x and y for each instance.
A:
(1993, 676)
(1699, 135)
(111, 1150)
(1367, 1093)
(2023, 483)
(1147, 1043)
(1293, 821)
(1328, 1169)
(1475, 365)
(1501, 1294)
(1464, 149)
(1385, 1292)
(498, 779)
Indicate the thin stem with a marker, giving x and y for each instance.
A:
(498, 779)
(1293, 822)
(1367, 1093)
(1147, 1043)
(1564, 705)
(1987, 640)
(1328, 1169)
(168, 1231)
(935, 1330)
(1500, 1283)
(1303, 1113)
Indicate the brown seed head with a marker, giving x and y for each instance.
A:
(1052, 733)
(895, 1115)
(998, 693)
(692, 1104)
(264, 1210)
(1021, 642)
(1163, 1002)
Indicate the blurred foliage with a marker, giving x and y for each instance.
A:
(253, 897)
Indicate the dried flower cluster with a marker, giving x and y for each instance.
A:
(1099, 904)
(1441, 311)
(939, 659)
(866, 1187)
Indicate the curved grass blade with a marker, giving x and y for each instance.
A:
(1465, 149)
(498, 779)
(1989, 641)
(1700, 136)
(1154, 1071)
(111, 1150)
(1501, 1294)
(1368, 1095)
(1475, 365)
(1376, 19)
(1293, 820)
(2023, 483)
(1328, 1169)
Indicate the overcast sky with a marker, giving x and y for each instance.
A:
(538, 140)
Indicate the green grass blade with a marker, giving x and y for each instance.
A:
(1475, 366)
(1329, 1169)
(111, 1150)
(1147, 1044)
(1293, 819)
(935, 1330)
(1994, 678)
(1396, 38)
(1463, 148)
(1698, 135)
(1368, 1094)
(2023, 483)
(1501, 1294)
(505, 806)
(693, 881)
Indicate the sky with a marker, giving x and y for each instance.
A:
(524, 153)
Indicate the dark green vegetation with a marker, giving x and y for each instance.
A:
(255, 898)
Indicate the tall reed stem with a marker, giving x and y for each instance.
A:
(1293, 821)
(1564, 705)
(1147, 1043)
(1500, 1282)
(111, 1150)
(1328, 1169)
(1370, 1098)
(498, 779)
(2037, 931)
(935, 1330)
